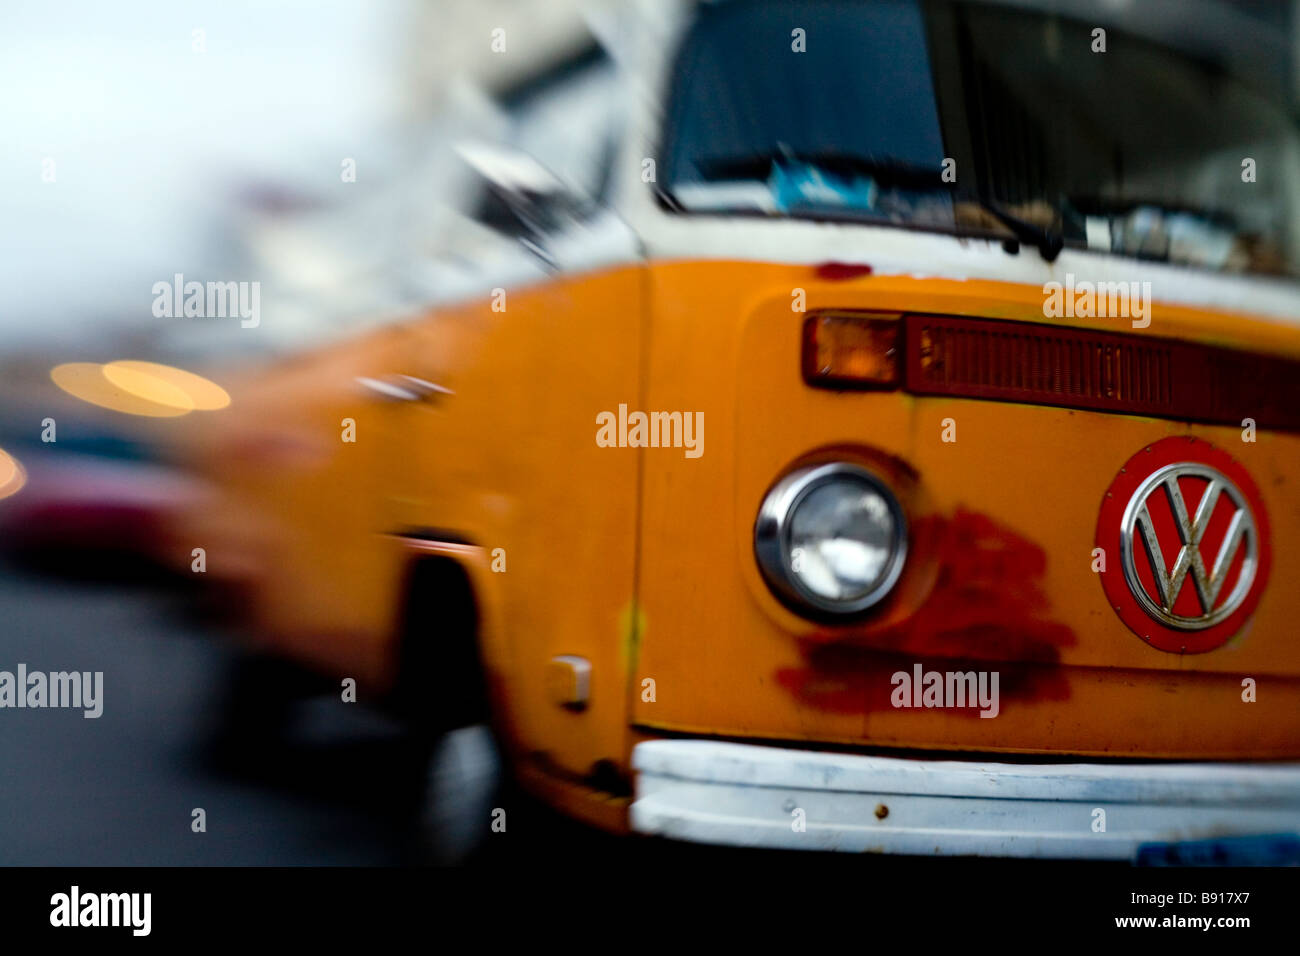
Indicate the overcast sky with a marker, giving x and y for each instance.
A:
(148, 137)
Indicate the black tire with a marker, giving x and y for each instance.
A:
(442, 691)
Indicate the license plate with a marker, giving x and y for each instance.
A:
(1275, 849)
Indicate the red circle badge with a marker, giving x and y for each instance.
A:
(1186, 545)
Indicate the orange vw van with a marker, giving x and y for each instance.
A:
(840, 426)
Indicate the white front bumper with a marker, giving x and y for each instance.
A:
(711, 792)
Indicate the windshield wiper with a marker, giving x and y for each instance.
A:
(1049, 243)
(887, 170)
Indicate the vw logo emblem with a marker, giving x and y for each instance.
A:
(1183, 548)
(1173, 545)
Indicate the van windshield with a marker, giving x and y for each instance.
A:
(1161, 130)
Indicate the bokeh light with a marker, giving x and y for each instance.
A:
(167, 385)
(86, 381)
(12, 475)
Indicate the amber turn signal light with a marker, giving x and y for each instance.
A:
(844, 350)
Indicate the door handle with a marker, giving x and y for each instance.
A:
(423, 387)
(402, 388)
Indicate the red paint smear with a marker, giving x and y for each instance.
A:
(839, 271)
(987, 611)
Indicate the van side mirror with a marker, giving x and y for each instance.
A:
(523, 198)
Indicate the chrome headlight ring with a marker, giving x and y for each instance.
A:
(831, 540)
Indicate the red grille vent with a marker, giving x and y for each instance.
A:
(1044, 365)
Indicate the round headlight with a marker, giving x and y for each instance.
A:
(831, 538)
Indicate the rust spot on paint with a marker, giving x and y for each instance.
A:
(987, 610)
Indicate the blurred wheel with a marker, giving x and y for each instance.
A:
(442, 690)
(462, 784)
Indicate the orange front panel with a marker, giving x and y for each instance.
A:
(1003, 519)
(510, 462)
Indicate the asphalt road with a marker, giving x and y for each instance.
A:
(121, 789)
